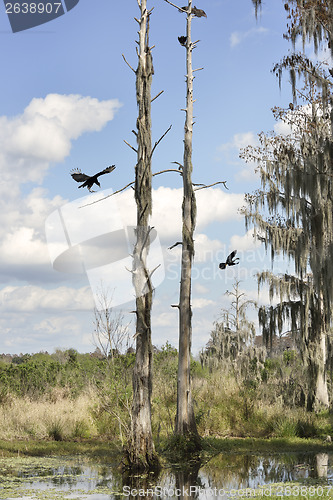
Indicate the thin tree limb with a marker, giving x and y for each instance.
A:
(204, 186)
(128, 64)
(135, 150)
(173, 246)
(145, 241)
(180, 165)
(131, 184)
(159, 140)
(173, 5)
(150, 275)
(156, 96)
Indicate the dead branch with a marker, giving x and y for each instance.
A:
(116, 192)
(175, 305)
(159, 140)
(156, 96)
(131, 184)
(180, 165)
(150, 275)
(128, 64)
(145, 241)
(143, 212)
(204, 186)
(135, 150)
(173, 5)
(167, 170)
(201, 186)
(173, 246)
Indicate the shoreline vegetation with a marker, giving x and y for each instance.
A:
(67, 403)
(108, 451)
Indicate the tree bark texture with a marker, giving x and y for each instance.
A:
(141, 452)
(317, 364)
(185, 421)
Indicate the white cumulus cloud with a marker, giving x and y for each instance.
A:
(245, 242)
(237, 37)
(44, 131)
(31, 298)
(29, 142)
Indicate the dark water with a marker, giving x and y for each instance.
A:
(224, 476)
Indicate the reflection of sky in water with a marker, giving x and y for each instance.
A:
(223, 473)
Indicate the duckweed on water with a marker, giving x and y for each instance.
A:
(54, 478)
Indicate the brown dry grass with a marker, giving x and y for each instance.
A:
(56, 416)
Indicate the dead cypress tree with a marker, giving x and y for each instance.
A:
(140, 452)
(185, 421)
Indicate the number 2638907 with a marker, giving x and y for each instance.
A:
(32, 8)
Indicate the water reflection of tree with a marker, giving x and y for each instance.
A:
(134, 483)
(249, 470)
(168, 480)
(318, 466)
(187, 478)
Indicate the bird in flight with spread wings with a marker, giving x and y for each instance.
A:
(231, 261)
(89, 180)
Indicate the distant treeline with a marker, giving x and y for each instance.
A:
(36, 374)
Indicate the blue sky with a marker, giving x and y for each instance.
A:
(67, 99)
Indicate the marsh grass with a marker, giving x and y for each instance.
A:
(225, 405)
(55, 416)
(222, 411)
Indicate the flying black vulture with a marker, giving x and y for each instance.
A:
(182, 40)
(88, 180)
(231, 261)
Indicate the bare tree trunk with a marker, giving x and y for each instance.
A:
(321, 398)
(185, 421)
(318, 391)
(141, 452)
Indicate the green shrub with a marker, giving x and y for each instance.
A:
(285, 427)
(306, 429)
(56, 430)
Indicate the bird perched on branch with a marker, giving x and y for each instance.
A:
(231, 261)
(196, 12)
(182, 40)
(89, 180)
